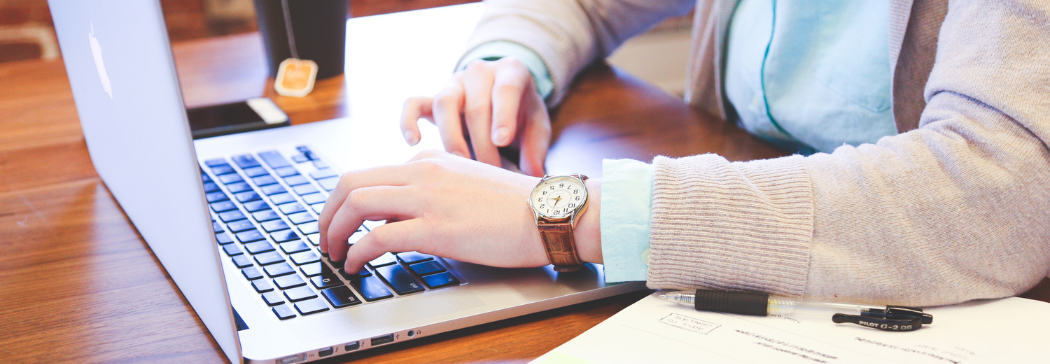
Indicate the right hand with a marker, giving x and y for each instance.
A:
(499, 105)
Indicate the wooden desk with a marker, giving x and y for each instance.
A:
(78, 284)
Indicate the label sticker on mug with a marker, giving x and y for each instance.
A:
(295, 77)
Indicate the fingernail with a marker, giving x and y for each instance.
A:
(501, 135)
(410, 137)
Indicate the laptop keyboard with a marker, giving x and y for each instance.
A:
(264, 210)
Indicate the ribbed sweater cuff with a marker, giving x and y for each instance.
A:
(736, 226)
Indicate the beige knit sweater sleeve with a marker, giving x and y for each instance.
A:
(958, 209)
(570, 34)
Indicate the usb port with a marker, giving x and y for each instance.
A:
(385, 339)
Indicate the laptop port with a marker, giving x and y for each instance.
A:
(385, 339)
(352, 346)
(411, 333)
(325, 352)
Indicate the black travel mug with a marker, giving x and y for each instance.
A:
(318, 29)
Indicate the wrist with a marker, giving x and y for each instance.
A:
(587, 232)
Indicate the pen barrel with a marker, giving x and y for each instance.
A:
(745, 303)
(787, 306)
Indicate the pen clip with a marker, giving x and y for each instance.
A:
(884, 324)
(898, 313)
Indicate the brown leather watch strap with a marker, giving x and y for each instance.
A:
(560, 245)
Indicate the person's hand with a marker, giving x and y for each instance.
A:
(498, 104)
(436, 204)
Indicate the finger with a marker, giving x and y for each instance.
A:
(398, 236)
(508, 90)
(369, 203)
(447, 107)
(478, 112)
(414, 109)
(396, 175)
(536, 138)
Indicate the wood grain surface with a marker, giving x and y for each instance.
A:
(78, 284)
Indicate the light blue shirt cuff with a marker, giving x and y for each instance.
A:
(626, 219)
(494, 50)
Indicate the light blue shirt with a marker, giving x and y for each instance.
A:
(807, 77)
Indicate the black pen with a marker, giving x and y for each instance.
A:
(886, 318)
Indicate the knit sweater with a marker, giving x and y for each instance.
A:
(956, 207)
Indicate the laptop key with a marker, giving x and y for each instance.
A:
(285, 171)
(413, 257)
(305, 257)
(268, 258)
(291, 208)
(223, 239)
(323, 173)
(340, 297)
(216, 197)
(317, 207)
(247, 196)
(300, 158)
(326, 280)
(265, 215)
(210, 187)
(399, 279)
(231, 216)
(238, 187)
(274, 159)
(204, 177)
(222, 169)
(311, 306)
(289, 281)
(283, 236)
(251, 273)
(308, 228)
(314, 198)
(230, 178)
(242, 261)
(299, 294)
(258, 247)
(314, 269)
(273, 189)
(256, 172)
(371, 288)
(314, 239)
(216, 227)
(275, 225)
(264, 180)
(281, 199)
(245, 161)
(363, 273)
(232, 249)
(296, 180)
(427, 268)
(283, 312)
(223, 206)
(277, 270)
(293, 247)
(301, 218)
(240, 225)
(273, 298)
(385, 259)
(328, 184)
(215, 162)
(256, 206)
(440, 280)
(250, 236)
(262, 286)
(304, 189)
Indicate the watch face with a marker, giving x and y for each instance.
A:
(558, 197)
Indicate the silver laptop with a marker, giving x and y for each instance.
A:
(233, 218)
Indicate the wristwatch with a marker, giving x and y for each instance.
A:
(558, 202)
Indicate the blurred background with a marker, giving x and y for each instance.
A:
(27, 33)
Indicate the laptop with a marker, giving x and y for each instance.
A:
(233, 219)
